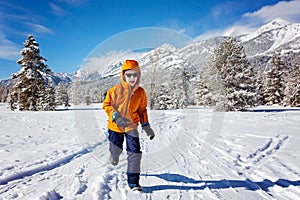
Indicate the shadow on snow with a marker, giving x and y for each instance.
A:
(213, 184)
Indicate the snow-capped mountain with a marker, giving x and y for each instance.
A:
(275, 24)
(55, 77)
(164, 57)
(6, 83)
(200, 53)
(103, 66)
(278, 35)
(64, 77)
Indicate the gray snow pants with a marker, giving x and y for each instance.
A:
(134, 154)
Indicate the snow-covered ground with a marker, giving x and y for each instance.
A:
(197, 154)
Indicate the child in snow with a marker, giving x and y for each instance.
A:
(125, 105)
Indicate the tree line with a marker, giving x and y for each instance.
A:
(228, 83)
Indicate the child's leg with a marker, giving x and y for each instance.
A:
(116, 143)
(134, 157)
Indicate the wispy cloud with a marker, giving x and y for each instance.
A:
(37, 28)
(15, 16)
(11, 12)
(73, 2)
(16, 22)
(177, 25)
(57, 10)
(8, 49)
(223, 8)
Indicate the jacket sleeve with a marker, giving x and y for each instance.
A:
(107, 104)
(143, 109)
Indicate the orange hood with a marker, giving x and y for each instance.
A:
(130, 65)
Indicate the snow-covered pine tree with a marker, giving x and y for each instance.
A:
(203, 93)
(41, 98)
(178, 88)
(174, 96)
(88, 98)
(237, 74)
(212, 80)
(97, 94)
(74, 92)
(49, 97)
(275, 81)
(163, 100)
(151, 79)
(260, 90)
(29, 83)
(185, 100)
(61, 95)
(292, 91)
(4, 91)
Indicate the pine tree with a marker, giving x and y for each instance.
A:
(152, 79)
(260, 91)
(185, 100)
(237, 75)
(74, 93)
(49, 98)
(275, 81)
(163, 100)
(29, 83)
(61, 95)
(179, 88)
(88, 99)
(4, 91)
(292, 91)
(203, 93)
(211, 79)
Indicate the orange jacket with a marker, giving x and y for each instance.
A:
(130, 102)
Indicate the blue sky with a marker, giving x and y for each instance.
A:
(68, 30)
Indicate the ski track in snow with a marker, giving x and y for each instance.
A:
(47, 167)
(240, 159)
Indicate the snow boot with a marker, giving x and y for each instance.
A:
(135, 187)
(114, 160)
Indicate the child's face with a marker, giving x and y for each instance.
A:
(131, 77)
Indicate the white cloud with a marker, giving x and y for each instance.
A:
(231, 31)
(288, 10)
(237, 30)
(209, 34)
(39, 28)
(99, 63)
(249, 22)
(8, 49)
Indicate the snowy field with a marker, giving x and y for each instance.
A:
(197, 154)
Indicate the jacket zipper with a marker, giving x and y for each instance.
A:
(128, 99)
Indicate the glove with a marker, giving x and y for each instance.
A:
(148, 131)
(119, 120)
